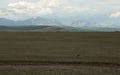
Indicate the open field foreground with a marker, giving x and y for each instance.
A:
(60, 46)
(59, 53)
(56, 71)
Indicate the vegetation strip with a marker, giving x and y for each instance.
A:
(48, 63)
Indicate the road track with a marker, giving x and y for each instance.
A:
(60, 65)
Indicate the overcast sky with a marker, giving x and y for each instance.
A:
(87, 10)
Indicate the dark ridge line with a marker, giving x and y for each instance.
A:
(72, 63)
(59, 31)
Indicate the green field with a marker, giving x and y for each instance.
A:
(60, 46)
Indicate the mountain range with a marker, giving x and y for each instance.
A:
(45, 24)
(28, 22)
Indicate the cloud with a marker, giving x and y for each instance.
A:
(8, 14)
(115, 15)
(74, 9)
(43, 7)
(37, 8)
(25, 9)
(1, 13)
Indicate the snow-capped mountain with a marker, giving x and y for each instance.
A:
(75, 23)
(42, 21)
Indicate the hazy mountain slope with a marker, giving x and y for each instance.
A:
(8, 22)
(44, 24)
(32, 21)
(42, 21)
(39, 28)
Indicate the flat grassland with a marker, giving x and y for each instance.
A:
(82, 47)
(39, 71)
(60, 46)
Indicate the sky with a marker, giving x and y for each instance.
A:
(84, 10)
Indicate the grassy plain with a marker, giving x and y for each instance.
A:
(60, 46)
(38, 71)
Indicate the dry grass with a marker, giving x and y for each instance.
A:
(60, 46)
(39, 71)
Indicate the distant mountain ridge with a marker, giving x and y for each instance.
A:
(31, 21)
(4, 22)
(37, 28)
(44, 24)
